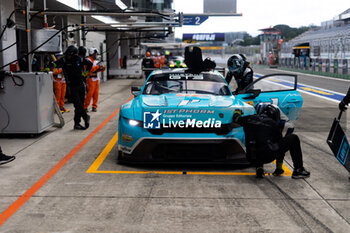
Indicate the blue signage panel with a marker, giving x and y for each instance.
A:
(194, 20)
(203, 37)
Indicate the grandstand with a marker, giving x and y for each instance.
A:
(331, 40)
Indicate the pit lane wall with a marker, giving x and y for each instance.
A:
(332, 67)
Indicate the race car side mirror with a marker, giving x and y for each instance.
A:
(255, 93)
(135, 90)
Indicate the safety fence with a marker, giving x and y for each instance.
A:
(330, 67)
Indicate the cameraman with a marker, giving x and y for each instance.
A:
(265, 143)
(73, 67)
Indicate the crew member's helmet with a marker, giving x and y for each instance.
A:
(234, 63)
(148, 54)
(268, 110)
(243, 56)
(93, 51)
(71, 50)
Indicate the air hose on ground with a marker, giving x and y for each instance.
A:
(57, 108)
(58, 113)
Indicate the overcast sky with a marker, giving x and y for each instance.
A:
(258, 14)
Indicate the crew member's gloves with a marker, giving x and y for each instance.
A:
(342, 106)
(45, 70)
(101, 68)
(85, 73)
(237, 114)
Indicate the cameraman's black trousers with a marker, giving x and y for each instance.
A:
(78, 98)
(288, 143)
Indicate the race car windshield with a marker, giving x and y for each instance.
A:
(203, 83)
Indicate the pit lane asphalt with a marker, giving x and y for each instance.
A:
(329, 83)
(76, 201)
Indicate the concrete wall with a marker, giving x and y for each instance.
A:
(9, 37)
(125, 47)
(120, 44)
(93, 40)
(330, 66)
(113, 49)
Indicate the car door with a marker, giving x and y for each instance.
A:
(278, 89)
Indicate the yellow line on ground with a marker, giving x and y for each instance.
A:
(186, 173)
(180, 173)
(93, 168)
(287, 172)
(233, 173)
(139, 172)
(223, 173)
(309, 89)
(97, 163)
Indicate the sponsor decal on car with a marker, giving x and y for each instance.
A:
(191, 123)
(250, 103)
(196, 111)
(152, 120)
(186, 76)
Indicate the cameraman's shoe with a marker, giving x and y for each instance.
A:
(300, 173)
(260, 172)
(5, 158)
(79, 127)
(278, 172)
(87, 121)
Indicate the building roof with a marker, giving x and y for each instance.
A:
(270, 30)
(343, 16)
(321, 34)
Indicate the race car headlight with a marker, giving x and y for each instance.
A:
(134, 123)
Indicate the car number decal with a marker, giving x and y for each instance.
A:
(185, 102)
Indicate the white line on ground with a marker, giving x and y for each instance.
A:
(322, 97)
(319, 88)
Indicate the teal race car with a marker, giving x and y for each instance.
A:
(184, 116)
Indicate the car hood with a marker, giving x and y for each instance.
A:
(186, 106)
(186, 100)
